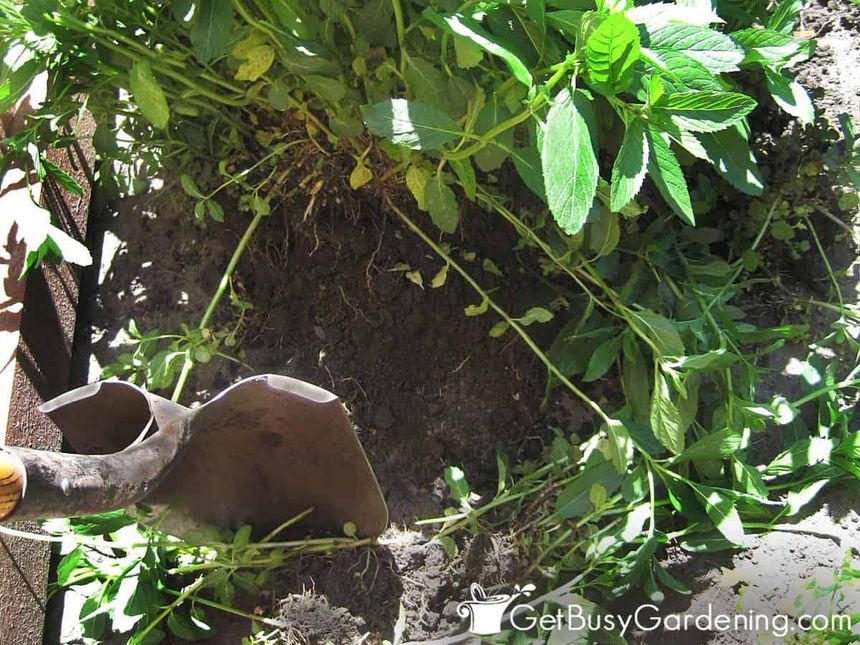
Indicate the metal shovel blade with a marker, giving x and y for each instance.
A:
(261, 452)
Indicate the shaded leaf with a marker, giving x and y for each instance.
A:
(465, 27)
(211, 30)
(667, 175)
(410, 124)
(630, 165)
(148, 95)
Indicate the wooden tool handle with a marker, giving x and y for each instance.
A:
(13, 478)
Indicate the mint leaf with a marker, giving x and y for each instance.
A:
(630, 166)
(731, 156)
(611, 51)
(790, 96)
(667, 176)
(465, 27)
(411, 124)
(784, 16)
(722, 512)
(665, 419)
(766, 45)
(682, 73)
(716, 51)
(704, 111)
(211, 30)
(148, 95)
(569, 165)
(441, 204)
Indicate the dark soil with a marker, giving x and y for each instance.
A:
(426, 386)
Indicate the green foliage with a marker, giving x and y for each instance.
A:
(142, 583)
(450, 101)
(475, 87)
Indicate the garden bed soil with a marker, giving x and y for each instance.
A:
(425, 385)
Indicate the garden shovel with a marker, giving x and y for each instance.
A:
(264, 450)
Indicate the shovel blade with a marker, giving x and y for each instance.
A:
(264, 450)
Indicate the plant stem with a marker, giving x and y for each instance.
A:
(189, 590)
(536, 103)
(230, 610)
(505, 316)
(401, 34)
(216, 298)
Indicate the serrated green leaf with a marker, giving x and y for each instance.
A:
(477, 310)
(790, 96)
(411, 124)
(567, 21)
(704, 111)
(492, 156)
(722, 512)
(660, 331)
(797, 499)
(214, 209)
(808, 452)
(665, 419)
(211, 30)
(602, 359)
(185, 628)
(604, 234)
(465, 27)
(441, 204)
(466, 174)
(148, 95)
(293, 18)
(731, 156)
(374, 18)
(536, 314)
(360, 175)
(716, 51)
(783, 18)
(189, 186)
(329, 89)
(666, 174)
(416, 181)
(630, 165)
(570, 168)
(18, 81)
(427, 82)
(527, 161)
(748, 479)
(766, 45)
(681, 73)
(715, 445)
(611, 51)
(574, 500)
(63, 178)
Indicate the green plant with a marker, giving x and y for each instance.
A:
(260, 101)
(138, 581)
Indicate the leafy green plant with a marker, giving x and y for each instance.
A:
(579, 102)
(138, 581)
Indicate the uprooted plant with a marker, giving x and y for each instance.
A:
(422, 105)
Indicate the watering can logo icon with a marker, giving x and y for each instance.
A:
(485, 612)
